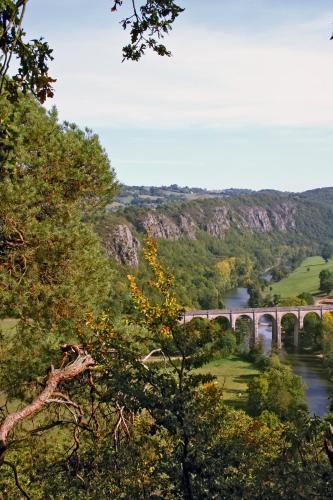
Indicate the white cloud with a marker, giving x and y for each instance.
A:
(214, 79)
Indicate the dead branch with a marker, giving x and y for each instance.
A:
(121, 425)
(68, 370)
(146, 358)
(55, 376)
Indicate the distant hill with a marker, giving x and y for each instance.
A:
(152, 196)
(320, 195)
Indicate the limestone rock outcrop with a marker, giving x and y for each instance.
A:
(284, 217)
(187, 226)
(280, 218)
(219, 222)
(122, 245)
(159, 225)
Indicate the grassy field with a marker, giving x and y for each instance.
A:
(233, 374)
(304, 279)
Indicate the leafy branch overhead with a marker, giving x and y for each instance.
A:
(33, 57)
(148, 25)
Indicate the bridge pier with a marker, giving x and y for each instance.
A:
(276, 333)
(296, 333)
(274, 325)
(279, 334)
(255, 331)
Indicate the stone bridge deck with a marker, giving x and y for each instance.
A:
(255, 314)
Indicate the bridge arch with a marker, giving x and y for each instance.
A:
(223, 320)
(314, 313)
(276, 331)
(244, 328)
(244, 315)
(263, 315)
(289, 313)
(295, 327)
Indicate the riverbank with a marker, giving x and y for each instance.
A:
(318, 388)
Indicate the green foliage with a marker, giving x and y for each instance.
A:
(53, 271)
(228, 343)
(326, 281)
(199, 283)
(256, 297)
(157, 427)
(277, 390)
(327, 252)
(327, 342)
(148, 24)
(167, 390)
(307, 298)
(32, 56)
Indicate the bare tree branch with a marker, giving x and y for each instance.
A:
(121, 424)
(69, 372)
(146, 358)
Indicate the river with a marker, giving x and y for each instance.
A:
(306, 365)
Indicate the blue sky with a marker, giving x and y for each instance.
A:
(245, 101)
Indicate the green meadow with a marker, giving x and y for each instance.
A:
(233, 374)
(303, 279)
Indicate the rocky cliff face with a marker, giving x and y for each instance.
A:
(159, 225)
(122, 245)
(219, 223)
(216, 221)
(284, 217)
(187, 226)
(280, 218)
(185, 222)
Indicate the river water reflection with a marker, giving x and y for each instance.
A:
(306, 365)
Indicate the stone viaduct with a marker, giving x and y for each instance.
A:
(255, 315)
